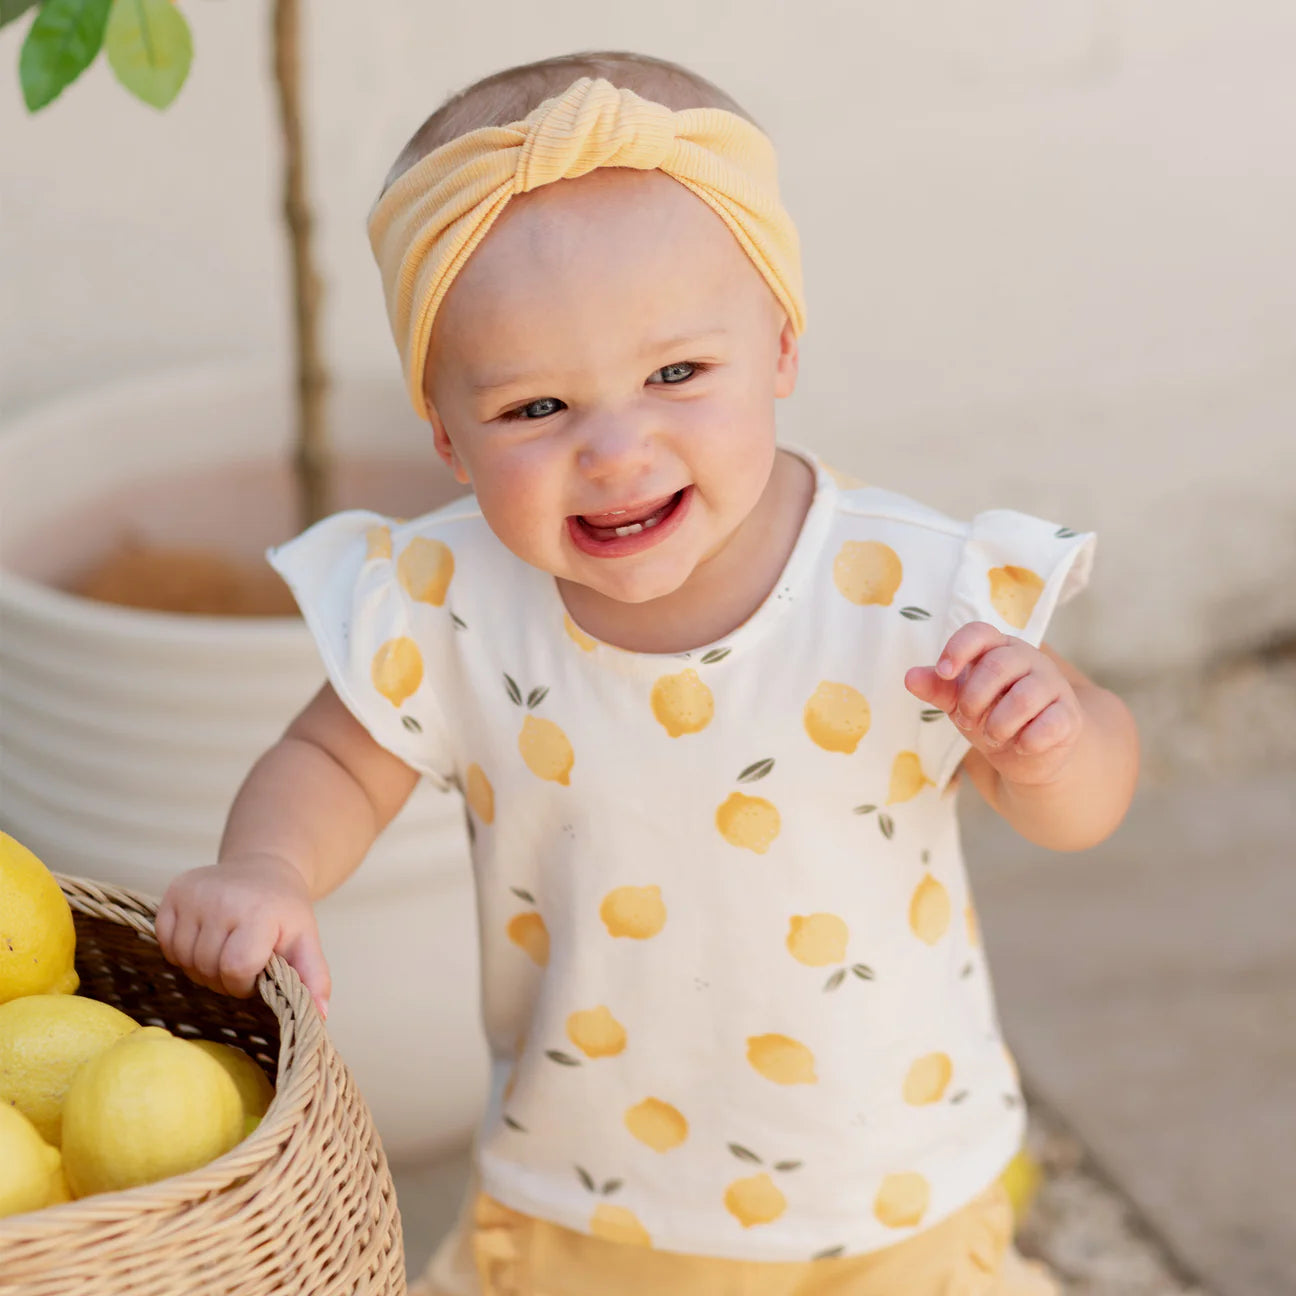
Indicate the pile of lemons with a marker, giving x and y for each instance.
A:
(90, 1100)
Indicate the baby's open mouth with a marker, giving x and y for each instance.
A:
(627, 522)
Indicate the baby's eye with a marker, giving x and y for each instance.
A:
(536, 409)
(680, 371)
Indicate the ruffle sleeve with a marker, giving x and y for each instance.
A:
(374, 602)
(1012, 571)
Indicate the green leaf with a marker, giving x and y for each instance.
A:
(1065, 533)
(715, 655)
(11, 9)
(60, 45)
(523, 895)
(958, 1097)
(563, 1059)
(611, 1186)
(150, 49)
(915, 614)
(787, 1165)
(513, 691)
(863, 971)
(756, 771)
(513, 1125)
(887, 824)
(411, 724)
(459, 622)
(931, 713)
(587, 1179)
(829, 1253)
(867, 809)
(836, 979)
(926, 857)
(535, 697)
(744, 1154)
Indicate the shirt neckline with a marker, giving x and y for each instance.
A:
(798, 568)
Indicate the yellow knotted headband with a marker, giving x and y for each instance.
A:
(427, 224)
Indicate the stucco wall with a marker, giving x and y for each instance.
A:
(1048, 249)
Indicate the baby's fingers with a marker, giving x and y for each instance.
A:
(307, 957)
(242, 959)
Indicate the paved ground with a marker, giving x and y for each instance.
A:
(1148, 988)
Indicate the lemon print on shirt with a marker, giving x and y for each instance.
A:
(902, 1200)
(755, 1200)
(1014, 591)
(682, 703)
(817, 939)
(781, 1059)
(749, 822)
(636, 912)
(479, 794)
(907, 778)
(928, 1079)
(837, 717)
(397, 669)
(377, 542)
(617, 1224)
(586, 643)
(929, 911)
(867, 571)
(657, 1124)
(529, 933)
(546, 750)
(424, 570)
(596, 1032)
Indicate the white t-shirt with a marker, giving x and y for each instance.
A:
(732, 983)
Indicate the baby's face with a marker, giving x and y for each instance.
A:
(608, 359)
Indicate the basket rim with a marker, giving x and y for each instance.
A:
(303, 1044)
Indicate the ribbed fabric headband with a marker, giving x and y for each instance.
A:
(427, 224)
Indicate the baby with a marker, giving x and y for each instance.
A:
(706, 701)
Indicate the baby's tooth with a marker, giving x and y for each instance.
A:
(632, 529)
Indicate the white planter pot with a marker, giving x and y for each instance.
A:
(124, 734)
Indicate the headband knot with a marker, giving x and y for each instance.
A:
(597, 125)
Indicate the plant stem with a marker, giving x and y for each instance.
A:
(311, 456)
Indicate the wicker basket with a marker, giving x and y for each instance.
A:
(305, 1205)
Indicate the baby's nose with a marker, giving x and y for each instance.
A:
(614, 447)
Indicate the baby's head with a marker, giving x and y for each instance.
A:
(608, 355)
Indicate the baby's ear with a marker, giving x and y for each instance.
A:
(787, 361)
(445, 447)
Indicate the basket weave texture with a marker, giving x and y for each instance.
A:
(304, 1205)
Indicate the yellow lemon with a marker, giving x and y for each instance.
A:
(756, 1200)
(682, 703)
(867, 571)
(844, 479)
(479, 794)
(43, 1040)
(1014, 591)
(973, 929)
(586, 643)
(377, 542)
(783, 1060)
(145, 1108)
(528, 931)
(617, 1224)
(31, 1174)
(657, 1124)
(254, 1088)
(636, 912)
(929, 911)
(907, 778)
(424, 570)
(1021, 1179)
(546, 750)
(817, 939)
(837, 717)
(596, 1032)
(902, 1200)
(37, 938)
(750, 822)
(397, 669)
(928, 1079)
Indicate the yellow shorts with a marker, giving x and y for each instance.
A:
(500, 1252)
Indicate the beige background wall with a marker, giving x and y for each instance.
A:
(1048, 249)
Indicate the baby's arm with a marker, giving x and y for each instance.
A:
(301, 823)
(1052, 752)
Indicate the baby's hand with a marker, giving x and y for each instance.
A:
(221, 924)
(1008, 699)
